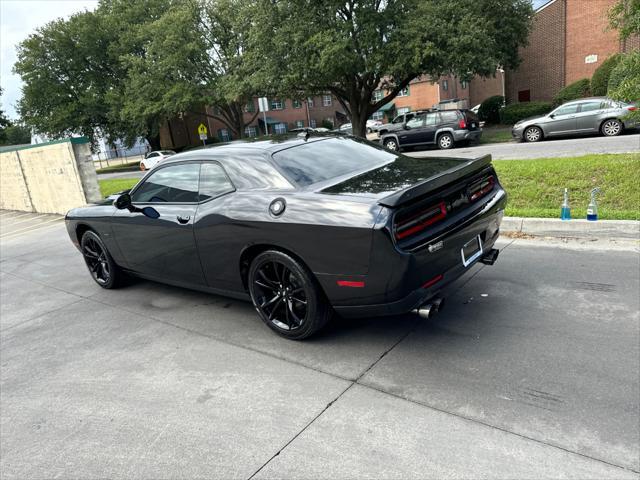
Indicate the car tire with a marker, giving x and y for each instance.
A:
(611, 127)
(532, 134)
(391, 144)
(286, 296)
(102, 268)
(445, 141)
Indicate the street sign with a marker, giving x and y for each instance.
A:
(263, 104)
(203, 136)
(202, 130)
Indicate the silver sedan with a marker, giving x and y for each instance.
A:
(584, 116)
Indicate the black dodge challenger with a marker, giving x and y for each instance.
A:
(303, 226)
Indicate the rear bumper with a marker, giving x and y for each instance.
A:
(433, 270)
(471, 135)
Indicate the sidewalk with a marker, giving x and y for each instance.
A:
(579, 228)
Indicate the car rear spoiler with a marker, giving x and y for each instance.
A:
(434, 182)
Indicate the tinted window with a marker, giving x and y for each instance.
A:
(399, 119)
(591, 106)
(448, 117)
(416, 122)
(432, 119)
(213, 181)
(325, 159)
(471, 117)
(566, 110)
(152, 154)
(177, 183)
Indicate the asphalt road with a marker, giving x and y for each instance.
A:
(531, 371)
(561, 147)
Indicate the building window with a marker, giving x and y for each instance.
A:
(277, 104)
(464, 85)
(250, 107)
(299, 123)
(310, 102)
(379, 115)
(524, 96)
(403, 110)
(313, 123)
(404, 92)
(326, 100)
(280, 128)
(223, 135)
(251, 131)
(378, 95)
(445, 85)
(296, 104)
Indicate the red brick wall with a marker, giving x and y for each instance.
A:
(542, 68)
(482, 88)
(422, 94)
(587, 34)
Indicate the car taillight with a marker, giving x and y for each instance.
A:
(481, 188)
(462, 124)
(632, 108)
(420, 221)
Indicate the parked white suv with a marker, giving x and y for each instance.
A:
(151, 159)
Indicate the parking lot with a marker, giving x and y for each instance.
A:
(532, 370)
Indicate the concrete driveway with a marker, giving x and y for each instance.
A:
(532, 371)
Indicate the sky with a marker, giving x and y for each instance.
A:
(19, 18)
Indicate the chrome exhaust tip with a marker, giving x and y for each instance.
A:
(428, 310)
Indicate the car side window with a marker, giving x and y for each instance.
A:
(591, 106)
(566, 110)
(152, 154)
(213, 181)
(432, 119)
(416, 122)
(449, 117)
(173, 184)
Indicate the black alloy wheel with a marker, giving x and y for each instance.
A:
(100, 264)
(286, 296)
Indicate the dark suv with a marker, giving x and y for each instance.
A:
(443, 128)
(397, 123)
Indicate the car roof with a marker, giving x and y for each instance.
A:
(585, 99)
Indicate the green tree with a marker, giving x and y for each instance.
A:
(600, 78)
(194, 57)
(73, 75)
(353, 48)
(4, 123)
(624, 16)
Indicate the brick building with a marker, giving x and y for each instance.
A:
(569, 40)
(287, 114)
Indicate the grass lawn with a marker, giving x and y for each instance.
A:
(125, 167)
(496, 134)
(536, 186)
(114, 185)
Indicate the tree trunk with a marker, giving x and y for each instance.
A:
(359, 116)
(154, 141)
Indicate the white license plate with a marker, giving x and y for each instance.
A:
(471, 251)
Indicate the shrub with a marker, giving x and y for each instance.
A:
(489, 110)
(624, 82)
(573, 91)
(600, 79)
(327, 124)
(517, 111)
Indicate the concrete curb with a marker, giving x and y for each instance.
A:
(554, 227)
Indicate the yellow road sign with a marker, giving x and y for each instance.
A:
(202, 129)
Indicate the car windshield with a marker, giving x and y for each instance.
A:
(331, 158)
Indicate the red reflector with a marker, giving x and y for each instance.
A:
(486, 187)
(440, 212)
(433, 281)
(462, 124)
(347, 283)
(632, 109)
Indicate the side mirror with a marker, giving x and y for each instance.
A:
(405, 126)
(552, 115)
(123, 201)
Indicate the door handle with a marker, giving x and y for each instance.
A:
(182, 219)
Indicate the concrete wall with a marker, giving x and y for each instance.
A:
(48, 178)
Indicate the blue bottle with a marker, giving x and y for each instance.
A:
(592, 208)
(565, 211)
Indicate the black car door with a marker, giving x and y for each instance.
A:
(163, 247)
(412, 131)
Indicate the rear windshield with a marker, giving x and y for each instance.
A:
(322, 160)
(471, 117)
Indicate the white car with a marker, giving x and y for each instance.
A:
(372, 125)
(151, 159)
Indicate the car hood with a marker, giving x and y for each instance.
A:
(399, 174)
